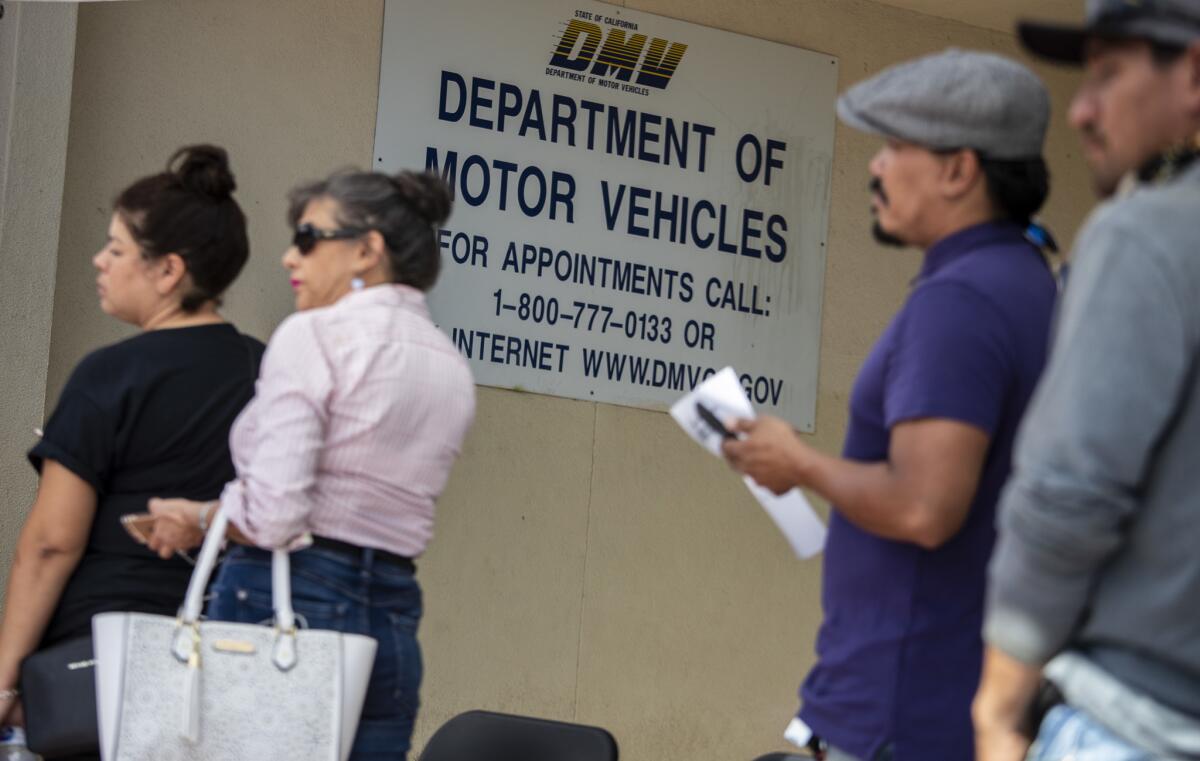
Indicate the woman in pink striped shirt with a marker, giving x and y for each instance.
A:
(360, 411)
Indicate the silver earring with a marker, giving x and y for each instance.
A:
(357, 284)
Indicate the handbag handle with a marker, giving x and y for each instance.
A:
(187, 639)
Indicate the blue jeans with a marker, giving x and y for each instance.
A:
(332, 590)
(1068, 733)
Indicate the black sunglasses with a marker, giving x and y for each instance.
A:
(307, 237)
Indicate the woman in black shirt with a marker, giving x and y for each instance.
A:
(146, 416)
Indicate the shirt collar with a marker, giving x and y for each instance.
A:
(391, 294)
(967, 240)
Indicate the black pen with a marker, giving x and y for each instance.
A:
(713, 422)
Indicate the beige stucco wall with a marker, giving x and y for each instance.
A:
(591, 563)
(37, 47)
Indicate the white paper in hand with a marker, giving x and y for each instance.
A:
(795, 517)
(724, 396)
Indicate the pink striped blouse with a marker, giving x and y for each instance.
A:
(360, 411)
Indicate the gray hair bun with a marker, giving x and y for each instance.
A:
(426, 194)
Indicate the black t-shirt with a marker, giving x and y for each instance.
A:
(146, 417)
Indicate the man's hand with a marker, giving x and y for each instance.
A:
(1000, 744)
(1006, 692)
(176, 525)
(769, 451)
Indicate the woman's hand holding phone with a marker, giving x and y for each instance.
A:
(176, 526)
(171, 526)
(139, 526)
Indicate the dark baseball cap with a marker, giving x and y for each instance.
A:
(1170, 22)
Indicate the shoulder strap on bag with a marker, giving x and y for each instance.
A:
(281, 597)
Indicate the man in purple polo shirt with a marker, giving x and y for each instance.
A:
(932, 414)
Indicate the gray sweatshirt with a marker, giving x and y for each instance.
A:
(1099, 546)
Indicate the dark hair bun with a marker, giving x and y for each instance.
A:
(426, 193)
(203, 169)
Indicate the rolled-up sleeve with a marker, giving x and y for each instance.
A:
(1119, 361)
(271, 499)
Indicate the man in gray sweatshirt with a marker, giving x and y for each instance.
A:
(1095, 581)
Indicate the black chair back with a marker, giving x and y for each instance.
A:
(487, 736)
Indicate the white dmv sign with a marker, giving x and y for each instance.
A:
(639, 201)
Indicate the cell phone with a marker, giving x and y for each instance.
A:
(139, 526)
(712, 421)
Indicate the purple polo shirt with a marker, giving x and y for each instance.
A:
(899, 651)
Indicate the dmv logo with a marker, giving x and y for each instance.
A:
(584, 44)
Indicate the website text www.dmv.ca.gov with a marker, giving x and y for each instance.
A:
(678, 376)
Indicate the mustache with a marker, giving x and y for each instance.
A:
(876, 187)
(1091, 134)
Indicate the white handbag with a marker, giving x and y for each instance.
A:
(182, 689)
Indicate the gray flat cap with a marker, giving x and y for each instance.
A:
(1171, 22)
(954, 99)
